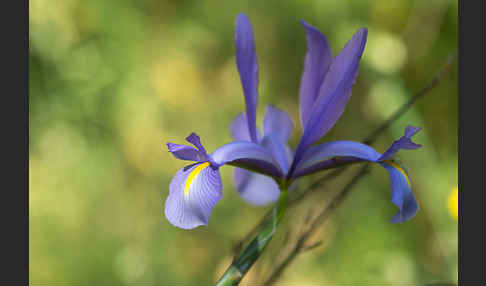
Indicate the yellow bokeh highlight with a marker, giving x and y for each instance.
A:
(453, 203)
(178, 81)
(385, 52)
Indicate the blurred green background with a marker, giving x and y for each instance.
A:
(112, 81)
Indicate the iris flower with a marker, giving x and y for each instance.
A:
(265, 163)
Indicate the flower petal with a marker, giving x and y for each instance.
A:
(317, 157)
(279, 150)
(193, 194)
(402, 195)
(333, 94)
(246, 155)
(317, 61)
(277, 123)
(246, 62)
(239, 129)
(194, 139)
(184, 152)
(255, 188)
(405, 142)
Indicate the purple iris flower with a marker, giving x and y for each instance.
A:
(265, 163)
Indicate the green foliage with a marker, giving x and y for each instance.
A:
(112, 81)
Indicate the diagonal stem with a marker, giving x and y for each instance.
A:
(428, 87)
(240, 266)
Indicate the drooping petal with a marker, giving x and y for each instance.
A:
(246, 155)
(405, 142)
(318, 58)
(246, 62)
(317, 157)
(184, 152)
(324, 156)
(193, 194)
(255, 188)
(277, 123)
(333, 94)
(402, 195)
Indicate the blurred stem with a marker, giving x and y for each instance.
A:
(240, 266)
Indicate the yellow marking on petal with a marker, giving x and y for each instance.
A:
(396, 166)
(453, 203)
(193, 175)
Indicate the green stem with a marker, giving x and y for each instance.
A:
(237, 270)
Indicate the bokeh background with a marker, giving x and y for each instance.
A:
(112, 81)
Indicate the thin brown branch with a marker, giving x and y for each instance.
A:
(405, 107)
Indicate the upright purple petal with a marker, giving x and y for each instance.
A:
(184, 152)
(401, 191)
(405, 142)
(277, 123)
(317, 61)
(333, 94)
(194, 139)
(255, 188)
(246, 62)
(246, 155)
(193, 194)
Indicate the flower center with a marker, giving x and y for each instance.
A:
(193, 175)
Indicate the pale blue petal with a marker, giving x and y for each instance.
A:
(277, 123)
(279, 151)
(240, 130)
(256, 189)
(189, 204)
